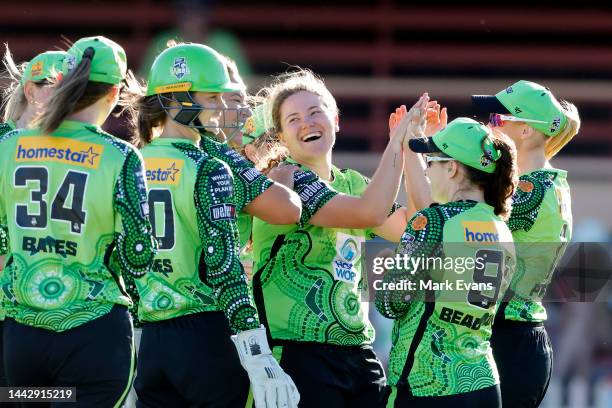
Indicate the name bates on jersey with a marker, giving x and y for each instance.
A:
(348, 253)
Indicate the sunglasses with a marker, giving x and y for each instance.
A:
(497, 119)
(429, 159)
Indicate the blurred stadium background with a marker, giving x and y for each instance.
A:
(378, 54)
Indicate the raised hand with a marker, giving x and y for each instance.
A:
(436, 118)
(416, 118)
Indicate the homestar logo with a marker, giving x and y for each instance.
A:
(58, 149)
(163, 171)
(480, 231)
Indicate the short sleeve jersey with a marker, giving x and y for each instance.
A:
(249, 182)
(308, 279)
(541, 224)
(193, 213)
(440, 339)
(74, 203)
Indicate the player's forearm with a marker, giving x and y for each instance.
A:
(382, 191)
(277, 205)
(417, 186)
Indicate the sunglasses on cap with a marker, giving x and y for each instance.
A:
(497, 119)
(430, 159)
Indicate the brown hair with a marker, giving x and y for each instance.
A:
(283, 86)
(232, 70)
(145, 113)
(13, 95)
(556, 143)
(498, 186)
(291, 83)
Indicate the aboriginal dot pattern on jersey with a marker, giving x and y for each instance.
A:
(421, 239)
(5, 128)
(526, 204)
(325, 318)
(448, 359)
(135, 244)
(245, 190)
(220, 245)
(124, 147)
(40, 294)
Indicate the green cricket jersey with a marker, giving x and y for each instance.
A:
(440, 340)
(75, 206)
(4, 237)
(249, 183)
(309, 278)
(541, 224)
(193, 213)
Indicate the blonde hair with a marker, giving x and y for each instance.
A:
(554, 144)
(13, 95)
(232, 70)
(290, 83)
(270, 152)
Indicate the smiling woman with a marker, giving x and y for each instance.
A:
(308, 279)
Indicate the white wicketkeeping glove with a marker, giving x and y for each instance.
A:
(272, 388)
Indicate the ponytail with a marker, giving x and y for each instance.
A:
(145, 112)
(72, 94)
(555, 144)
(13, 95)
(498, 186)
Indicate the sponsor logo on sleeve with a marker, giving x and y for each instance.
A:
(249, 174)
(220, 212)
(221, 183)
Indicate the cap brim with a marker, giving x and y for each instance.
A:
(488, 104)
(425, 145)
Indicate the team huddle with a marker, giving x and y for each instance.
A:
(223, 230)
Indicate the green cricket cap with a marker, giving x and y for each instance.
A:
(465, 140)
(526, 100)
(258, 123)
(44, 66)
(108, 60)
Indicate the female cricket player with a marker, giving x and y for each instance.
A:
(541, 224)
(25, 96)
(74, 200)
(440, 355)
(197, 296)
(307, 280)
